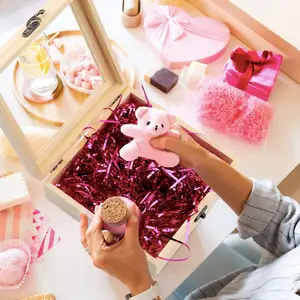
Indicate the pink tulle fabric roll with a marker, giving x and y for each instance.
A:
(232, 111)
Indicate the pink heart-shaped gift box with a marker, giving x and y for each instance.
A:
(180, 39)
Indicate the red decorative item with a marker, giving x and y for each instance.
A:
(165, 197)
(252, 71)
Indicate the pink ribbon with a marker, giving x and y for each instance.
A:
(182, 243)
(170, 21)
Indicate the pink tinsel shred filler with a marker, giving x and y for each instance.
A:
(233, 111)
(165, 197)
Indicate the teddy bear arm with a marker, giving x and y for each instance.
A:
(131, 130)
(130, 151)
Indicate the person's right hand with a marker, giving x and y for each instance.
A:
(190, 152)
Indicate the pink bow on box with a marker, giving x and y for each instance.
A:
(168, 20)
(200, 39)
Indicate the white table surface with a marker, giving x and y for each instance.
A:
(282, 19)
(66, 270)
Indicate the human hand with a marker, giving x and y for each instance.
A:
(189, 151)
(124, 260)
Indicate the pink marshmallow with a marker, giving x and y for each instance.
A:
(78, 81)
(85, 76)
(95, 84)
(86, 85)
(70, 75)
(84, 65)
(93, 66)
(78, 68)
(94, 72)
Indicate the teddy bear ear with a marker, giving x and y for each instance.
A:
(141, 111)
(171, 119)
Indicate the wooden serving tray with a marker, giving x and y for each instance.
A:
(58, 111)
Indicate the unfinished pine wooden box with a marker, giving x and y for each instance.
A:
(48, 164)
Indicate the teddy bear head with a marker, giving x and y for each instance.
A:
(153, 121)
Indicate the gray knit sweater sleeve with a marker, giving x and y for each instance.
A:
(273, 220)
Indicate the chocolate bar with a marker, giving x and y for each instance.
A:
(163, 79)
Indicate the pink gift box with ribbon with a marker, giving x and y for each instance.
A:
(180, 39)
(252, 71)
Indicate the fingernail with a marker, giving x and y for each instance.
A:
(97, 208)
(136, 212)
(154, 142)
(87, 212)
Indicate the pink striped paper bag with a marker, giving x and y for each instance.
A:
(44, 237)
(16, 223)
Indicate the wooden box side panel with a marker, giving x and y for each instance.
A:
(252, 33)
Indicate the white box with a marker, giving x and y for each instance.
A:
(54, 157)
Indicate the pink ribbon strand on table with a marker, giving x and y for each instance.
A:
(168, 21)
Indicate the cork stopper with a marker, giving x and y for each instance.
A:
(108, 236)
(114, 211)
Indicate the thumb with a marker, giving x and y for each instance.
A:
(133, 225)
(167, 143)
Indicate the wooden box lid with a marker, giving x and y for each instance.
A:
(39, 165)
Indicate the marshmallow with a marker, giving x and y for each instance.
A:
(78, 68)
(70, 75)
(93, 72)
(85, 76)
(95, 84)
(86, 65)
(78, 81)
(86, 85)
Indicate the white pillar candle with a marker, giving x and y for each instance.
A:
(131, 7)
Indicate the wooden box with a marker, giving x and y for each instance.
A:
(48, 164)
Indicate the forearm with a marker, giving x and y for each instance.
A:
(233, 187)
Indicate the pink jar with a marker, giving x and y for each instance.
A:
(115, 212)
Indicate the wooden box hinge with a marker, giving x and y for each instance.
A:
(33, 23)
(202, 214)
(56, 166)
(115, 100)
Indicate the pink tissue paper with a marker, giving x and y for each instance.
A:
(233, 111)
(180, 39)
(252, 71)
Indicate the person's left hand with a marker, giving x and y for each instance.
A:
(124, 260)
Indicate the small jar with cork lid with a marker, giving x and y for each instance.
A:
(115, 212)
